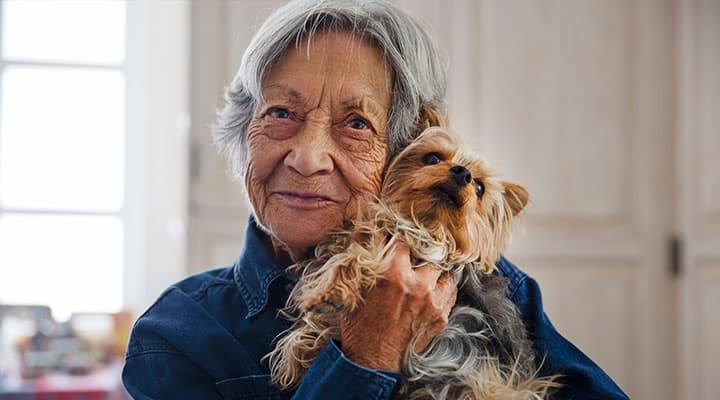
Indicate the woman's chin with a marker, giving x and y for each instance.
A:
(300, 229)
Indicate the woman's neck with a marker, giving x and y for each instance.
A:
(286, 255)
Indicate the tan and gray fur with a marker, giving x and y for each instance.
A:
(484, 352)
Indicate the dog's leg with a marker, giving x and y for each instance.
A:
(341, 281)
(295, 352)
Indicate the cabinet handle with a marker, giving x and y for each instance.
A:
(675, 253)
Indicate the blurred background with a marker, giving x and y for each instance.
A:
(608, 111)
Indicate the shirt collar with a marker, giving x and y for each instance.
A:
(256, 269)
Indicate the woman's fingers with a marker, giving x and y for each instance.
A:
(399, 258)
(445, 295)
(408, 305)
(436, 312)
(430, 289)
(447, 285)
(429, 274)
(424, 277)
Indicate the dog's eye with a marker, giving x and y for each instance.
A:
(432, 158)
(479, 187)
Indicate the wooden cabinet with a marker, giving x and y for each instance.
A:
(697, 154)
(574, 100)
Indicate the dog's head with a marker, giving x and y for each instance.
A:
(447, 190)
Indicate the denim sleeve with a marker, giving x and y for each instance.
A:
(581, 377)
(161, 374)
(334, 376)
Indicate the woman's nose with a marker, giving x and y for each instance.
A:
(310, 152)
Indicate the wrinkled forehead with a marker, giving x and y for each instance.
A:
(340, 64)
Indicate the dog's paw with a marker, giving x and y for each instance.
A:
(330, 301)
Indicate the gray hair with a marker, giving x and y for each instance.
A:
(418, 64)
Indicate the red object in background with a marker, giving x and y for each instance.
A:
(79, 360)
(97, 385)
(102, 384)
(75, 395)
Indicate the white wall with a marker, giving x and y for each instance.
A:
(158, 147)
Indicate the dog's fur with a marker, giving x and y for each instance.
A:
(484, 352)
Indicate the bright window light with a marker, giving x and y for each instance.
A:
(70, 262)
(64, 31)
(61, 138)
(62, 151)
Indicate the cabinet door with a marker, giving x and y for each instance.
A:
(574, 100)
(698, 153)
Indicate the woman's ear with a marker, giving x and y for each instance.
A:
(516, 197)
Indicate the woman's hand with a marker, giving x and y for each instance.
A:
(406, 303)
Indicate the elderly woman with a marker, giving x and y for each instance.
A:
(326, 94)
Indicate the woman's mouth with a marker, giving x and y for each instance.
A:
(306, 200)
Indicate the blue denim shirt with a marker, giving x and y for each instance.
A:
(205, 336)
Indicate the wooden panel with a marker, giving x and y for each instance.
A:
(242, 19)
(707, 247)
(223, 251)
(708, 327)
(699, 194)
(708, 112)
(212, 187)
(555, 101)
(215, 242)
(592, 304)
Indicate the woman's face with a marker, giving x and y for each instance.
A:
(317, 140)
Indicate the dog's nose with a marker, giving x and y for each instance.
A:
(460, 175)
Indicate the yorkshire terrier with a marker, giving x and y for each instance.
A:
(451, 211)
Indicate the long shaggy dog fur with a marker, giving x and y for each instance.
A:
(484, 352)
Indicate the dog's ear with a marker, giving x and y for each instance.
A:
(429, 117)
(516, 197)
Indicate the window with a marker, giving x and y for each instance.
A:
(62, 154)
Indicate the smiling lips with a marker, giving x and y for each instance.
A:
(305, 199)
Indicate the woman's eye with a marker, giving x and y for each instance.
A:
(358, 123)
(432, 158)
(277, 112)
(479, 187)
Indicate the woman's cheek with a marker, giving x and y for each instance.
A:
(255, 189)
(262, 158)
(368, 166)
(363, 172)
(263, 151)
